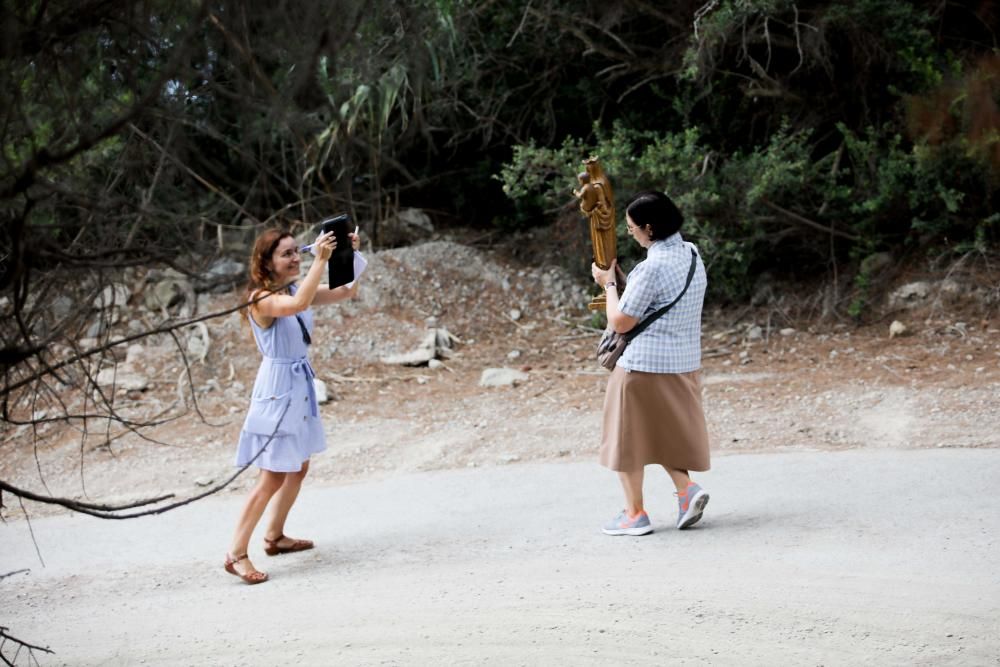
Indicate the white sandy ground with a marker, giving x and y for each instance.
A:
(878, 557)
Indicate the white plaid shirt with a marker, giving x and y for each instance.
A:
(671, 344)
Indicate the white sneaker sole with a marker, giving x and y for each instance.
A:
(635, 532)
(695, 510)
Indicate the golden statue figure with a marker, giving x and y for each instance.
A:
(597, 202)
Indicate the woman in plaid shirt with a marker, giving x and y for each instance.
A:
(652, 407)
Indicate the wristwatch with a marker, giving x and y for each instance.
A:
(610, 284)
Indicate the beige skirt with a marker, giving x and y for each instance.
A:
(654, 418)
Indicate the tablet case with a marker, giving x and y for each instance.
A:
(341, 263)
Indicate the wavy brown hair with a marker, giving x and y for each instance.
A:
(261, 277)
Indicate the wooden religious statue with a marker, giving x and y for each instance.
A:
(597, 203)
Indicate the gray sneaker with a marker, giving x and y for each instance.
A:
(691, 505)
(623, 525)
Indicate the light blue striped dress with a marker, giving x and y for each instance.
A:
(283, 400)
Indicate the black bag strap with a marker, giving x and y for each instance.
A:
(639, 328)
(306, 338)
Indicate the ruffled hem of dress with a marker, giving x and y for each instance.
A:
(283, 454)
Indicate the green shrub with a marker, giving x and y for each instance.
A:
(778, 206)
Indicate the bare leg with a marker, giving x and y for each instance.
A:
(267, 485)
(680, 478)
(632, 485)
(283, 501)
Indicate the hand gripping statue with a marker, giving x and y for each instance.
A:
(597, 202)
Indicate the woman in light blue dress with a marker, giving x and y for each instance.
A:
(283, 428)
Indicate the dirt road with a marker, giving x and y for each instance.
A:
(877, 557)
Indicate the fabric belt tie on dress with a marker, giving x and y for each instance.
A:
(301, 366)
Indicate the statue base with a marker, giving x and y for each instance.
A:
(600, 302)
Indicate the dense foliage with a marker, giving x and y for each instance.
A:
(795, 135)
(798, 137)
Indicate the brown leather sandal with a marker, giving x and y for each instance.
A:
(250, 577)
(271, 547)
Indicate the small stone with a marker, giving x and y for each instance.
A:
(897, 328)
(124, 379)
(515, 314)
(788, 331)
(501, 377)
(435, 364)
(909, 295)
(135, 354)
(322, 395)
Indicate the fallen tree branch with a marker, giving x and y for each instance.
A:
(21, 644)
(810, 223)
(51, 368)
(103, 511)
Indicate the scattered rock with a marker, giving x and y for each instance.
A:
(897, 328)
(950, 287)
(198, 342)
(501, 377)
(115, 295)
(909, 295)
(62, 306)
(788, 331)
(135, 354)
(436, 343)
(170, 289)
(406, 227)
(322, 396)
(958, 329)
(122, 378)
(222, 276)
(424, 352)
(98, 328)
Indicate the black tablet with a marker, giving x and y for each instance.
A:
(341, 264)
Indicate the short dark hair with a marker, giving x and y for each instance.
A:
(656, 210)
